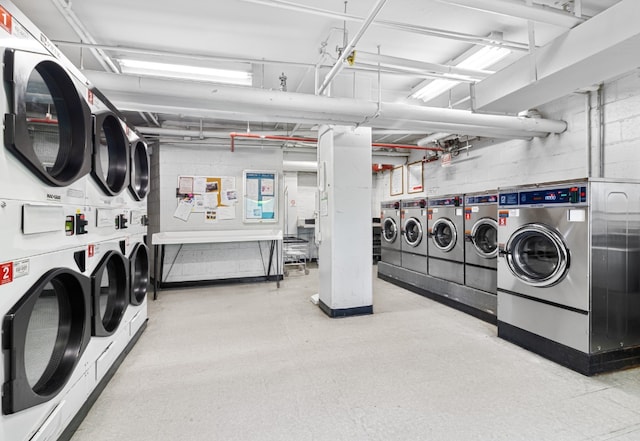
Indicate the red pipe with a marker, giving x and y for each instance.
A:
(301, 139)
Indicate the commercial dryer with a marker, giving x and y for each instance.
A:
(568, 272)
(390, 245)
(481, 240)
(445, 224)
(414, 232)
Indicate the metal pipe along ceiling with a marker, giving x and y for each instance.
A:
(189, 98)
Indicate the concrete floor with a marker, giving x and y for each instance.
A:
(253, 362)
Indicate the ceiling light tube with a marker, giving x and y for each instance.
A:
(185, 72)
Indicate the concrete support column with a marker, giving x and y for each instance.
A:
(344, 230)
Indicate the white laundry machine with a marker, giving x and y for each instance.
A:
(445, 225)
(45, 303)
(391, 240)
(481, 240)
(568, 279)
(47, 149)
(414, 235)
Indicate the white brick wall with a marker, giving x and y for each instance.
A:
(490, 164)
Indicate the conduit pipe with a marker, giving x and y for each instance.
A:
(235, 135)
(440, 33)
(538, 13)
(335, 70)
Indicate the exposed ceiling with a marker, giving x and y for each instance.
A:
(275, 38)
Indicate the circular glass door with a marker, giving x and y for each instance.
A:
(413, 231)
(484, 237)
(389, 230)
(48, 127)
(139, 273)
(537, 255)
(110, 293)
(139, 185)
(444, 234)
(110, 154)
(45, 334)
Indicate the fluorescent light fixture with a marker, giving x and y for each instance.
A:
(184, 72)
(482, 59)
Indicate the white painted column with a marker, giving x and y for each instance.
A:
(345, 254)
(291, 208)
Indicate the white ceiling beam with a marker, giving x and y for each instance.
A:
(516, 8)
(602, 48)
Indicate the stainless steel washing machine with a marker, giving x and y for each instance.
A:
(445, 224)
(481, 240)
(414, 237)
(568, 272)
(390, 246)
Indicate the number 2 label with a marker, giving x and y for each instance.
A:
(6, 273)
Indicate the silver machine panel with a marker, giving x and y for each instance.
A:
(569, 265)
(391, 240)
(481, 240)
(445, 225)
(414, 235)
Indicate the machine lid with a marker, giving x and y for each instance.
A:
(484, 237)
(110, 154)
(537, 255)
(139, 261)
(444, 234)
(139, 183)
(413, 232)
(110, 283)
(45, 334)
(389, 230)
(47, 126)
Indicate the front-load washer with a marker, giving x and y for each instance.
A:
(45, 304)
(414, 235)
(568, 279)
(391, 240)
(111, 154)
(481, 240)
(47, 130)
(445, 225)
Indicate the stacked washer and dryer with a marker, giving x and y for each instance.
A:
(72, 284)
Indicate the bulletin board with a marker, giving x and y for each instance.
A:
(215, 196)
(260, 196)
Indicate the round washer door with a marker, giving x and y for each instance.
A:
(110, 154)
(110, 283)
(45, 333)
(444, 234)
(48, 127)
(139, 260)
(389, 230)
(139, 184)
(484, 237)
(537, 255)
(413, 231)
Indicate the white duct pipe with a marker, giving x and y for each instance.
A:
(538, 13)
(192, 97)
(300, 166)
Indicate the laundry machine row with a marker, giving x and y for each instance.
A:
(568, 280)
(445, 248)
(74, 268)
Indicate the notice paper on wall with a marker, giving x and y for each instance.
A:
(183, 211)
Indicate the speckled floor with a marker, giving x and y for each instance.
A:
(253, 362)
